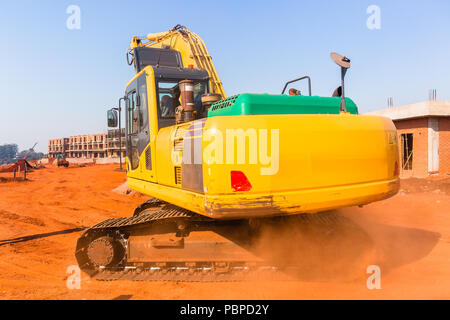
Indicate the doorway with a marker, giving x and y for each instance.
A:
(407, 150)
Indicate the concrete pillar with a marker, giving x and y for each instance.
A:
(433, 145)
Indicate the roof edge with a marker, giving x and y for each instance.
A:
(429, 108)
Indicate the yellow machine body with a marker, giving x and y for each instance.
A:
(301, 163)
(285, 163)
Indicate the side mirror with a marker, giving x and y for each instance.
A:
(112, 118)
(344, 63)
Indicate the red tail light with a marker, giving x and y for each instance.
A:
(239, 181)
(396, 169)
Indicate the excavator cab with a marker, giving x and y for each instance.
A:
(152, 98)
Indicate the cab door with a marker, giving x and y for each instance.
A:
(140, 149)
(147, 132)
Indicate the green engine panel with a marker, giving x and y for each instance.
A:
(254, 104)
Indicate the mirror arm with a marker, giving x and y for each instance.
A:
(343, 103)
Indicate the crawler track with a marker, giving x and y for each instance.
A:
(167, 217)
(109, 241)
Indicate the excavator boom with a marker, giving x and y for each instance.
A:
(191, 47)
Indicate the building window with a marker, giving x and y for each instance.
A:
(407, 150)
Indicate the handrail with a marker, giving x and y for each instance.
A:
(295, 80)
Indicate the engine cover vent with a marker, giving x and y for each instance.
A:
(177, 175)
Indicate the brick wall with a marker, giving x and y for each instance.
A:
(444, 145)
(419, 129)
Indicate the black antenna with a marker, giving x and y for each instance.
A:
(432, 94)
(344, 63)
(390, 102)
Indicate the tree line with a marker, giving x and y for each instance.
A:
(10, 153)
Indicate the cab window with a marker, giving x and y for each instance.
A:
(133, 114)
(143, 109)
(169, 99)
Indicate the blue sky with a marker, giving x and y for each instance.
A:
(57, 82)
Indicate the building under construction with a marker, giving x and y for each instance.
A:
(113, 143)
(88, 146)
(424, 137)
(57, 146)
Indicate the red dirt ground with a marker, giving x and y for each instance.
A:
(408, 236)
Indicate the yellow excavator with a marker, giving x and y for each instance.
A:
(216, 167)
